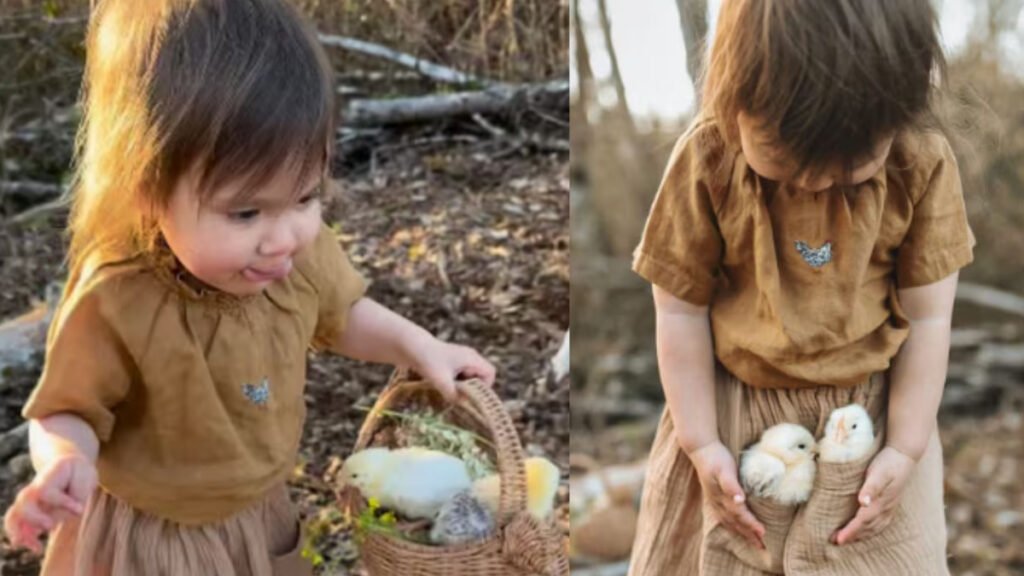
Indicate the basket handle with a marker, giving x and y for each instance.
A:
(511, 468)
(484, 402)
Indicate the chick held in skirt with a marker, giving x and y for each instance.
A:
(676, 538)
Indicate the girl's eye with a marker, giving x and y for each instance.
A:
(244, 215)
(802, 446)
(309, 198)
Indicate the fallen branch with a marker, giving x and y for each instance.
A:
(29, 189)
(990, 298)
(425, 67)
(495, 99)
(22, 337)
(39, 211)
(1005, 356)
(14, 441)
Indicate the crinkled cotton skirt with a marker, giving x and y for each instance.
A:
(677, 536)
(114, 539)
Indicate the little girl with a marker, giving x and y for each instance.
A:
(170, 408)
(804, 248)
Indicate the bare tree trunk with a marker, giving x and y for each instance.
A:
(693, 19)
(622, 107)
(579, 135)
(613, 167)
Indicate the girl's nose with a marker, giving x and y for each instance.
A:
(280, 240)
(814, 183)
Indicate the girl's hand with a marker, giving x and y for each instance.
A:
(716, 469)
(56, 493)
(443, 363)
(883, 486)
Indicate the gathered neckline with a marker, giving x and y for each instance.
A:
(173, 274)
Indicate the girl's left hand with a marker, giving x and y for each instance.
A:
(442, 363)
(883, 486)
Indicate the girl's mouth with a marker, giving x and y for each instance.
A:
(267, 274)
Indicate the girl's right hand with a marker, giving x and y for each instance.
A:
(55, 494)
(716, 469)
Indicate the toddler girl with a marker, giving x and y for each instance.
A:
(170, 408)
(804, 248)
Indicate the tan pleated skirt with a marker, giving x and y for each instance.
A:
(114, 539)
(676, 537)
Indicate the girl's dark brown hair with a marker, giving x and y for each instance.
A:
(235, 89)
(830, 77)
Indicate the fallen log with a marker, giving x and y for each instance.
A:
(989, 297)
(492, 100)
(14, 441)
(24, 336)
(29, 189)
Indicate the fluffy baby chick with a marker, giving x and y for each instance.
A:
(414, 482)
(849, 435)
(541, 486)
(781, 465)
(463, 518)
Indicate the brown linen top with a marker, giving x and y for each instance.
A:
(802, 285)
(195, 395)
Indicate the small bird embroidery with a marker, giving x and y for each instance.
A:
(816, 257)
(257, 394)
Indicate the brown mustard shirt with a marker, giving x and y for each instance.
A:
(783, 314)
(196, 397)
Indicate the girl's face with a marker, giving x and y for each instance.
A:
(241, 246)
(770, 161)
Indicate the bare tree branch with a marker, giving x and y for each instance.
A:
(426, 68)
(29, 189)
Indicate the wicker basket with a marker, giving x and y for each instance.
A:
(520, 546)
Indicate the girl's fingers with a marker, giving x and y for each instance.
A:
(873, 488)
(745, 517)
(57, 499)
(479, 367)
(29, 538)
(33, 515)
(444, 383)
(730, 486)
(744, 532)
(853, 527)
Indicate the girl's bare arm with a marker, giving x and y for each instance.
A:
(687, 367)
(686, 361)
(59, 436)
(919, 370)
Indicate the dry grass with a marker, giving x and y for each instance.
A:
(512, 40)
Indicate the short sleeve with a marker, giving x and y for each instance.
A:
(939, 240)
(88, 368)
(681, 247)
(338, 286)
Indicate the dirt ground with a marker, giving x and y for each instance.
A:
(469, 239)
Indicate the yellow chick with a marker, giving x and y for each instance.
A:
(415, 482)
(781, 465)
(849, 435)
(541, 486)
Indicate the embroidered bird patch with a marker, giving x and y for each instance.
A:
(257, 394)
(816, 257)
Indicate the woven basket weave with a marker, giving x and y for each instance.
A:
(521, 545)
